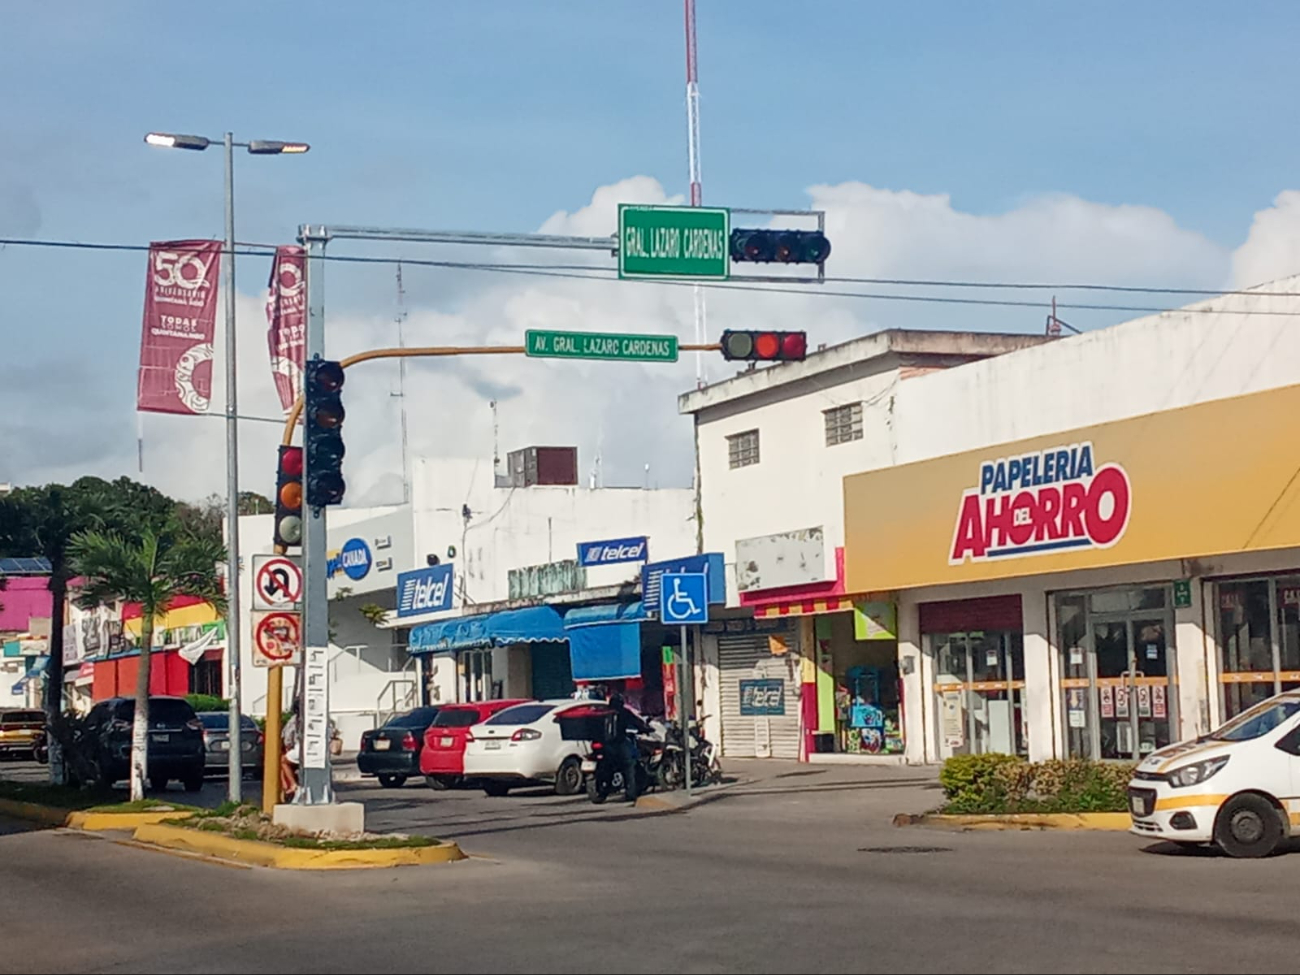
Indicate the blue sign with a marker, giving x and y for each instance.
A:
(684, 598)
(710, 563)
(613, 550)
(762, 697)
(353, 560)
(424, 590)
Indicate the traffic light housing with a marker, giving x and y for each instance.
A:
(779, 246)
(323, 416)
(288, 498)
(764, 345)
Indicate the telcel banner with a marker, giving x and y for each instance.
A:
(1202, 480)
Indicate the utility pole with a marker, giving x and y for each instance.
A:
(401, 384)
(693, 160)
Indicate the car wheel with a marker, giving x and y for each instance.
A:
(391, 781)
(440, 783)
(193, 782)
(1248, 826)
(496, 789)
(568, 780)
(596, 791)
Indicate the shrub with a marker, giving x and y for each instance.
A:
(1005, 784)
(977, 783)
(208, 702)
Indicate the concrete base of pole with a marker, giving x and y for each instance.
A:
(332, 817)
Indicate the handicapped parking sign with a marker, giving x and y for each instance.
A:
(683, 598)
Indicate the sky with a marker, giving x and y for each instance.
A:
(1149, 144)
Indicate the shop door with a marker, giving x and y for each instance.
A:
(1120, 700)
(476, 675)
(980, 690)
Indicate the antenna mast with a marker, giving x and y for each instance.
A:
(693, 156)
(401, 383)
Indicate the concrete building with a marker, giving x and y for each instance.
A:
(773, 446)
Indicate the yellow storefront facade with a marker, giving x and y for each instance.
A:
(1099, 592)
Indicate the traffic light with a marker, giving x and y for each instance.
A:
(764, 346)
(780, 246)
(322, 432)
(288, 498)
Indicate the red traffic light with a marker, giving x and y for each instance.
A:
(764, 346)
(291, 461)
(324, 375)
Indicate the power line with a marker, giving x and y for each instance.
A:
(584, 272)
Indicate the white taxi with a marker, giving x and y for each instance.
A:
(1238, 787)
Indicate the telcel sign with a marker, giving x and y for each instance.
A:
(424, 590)
(612, 551)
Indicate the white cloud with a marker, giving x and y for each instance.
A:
(628, 411)
(1272, 249)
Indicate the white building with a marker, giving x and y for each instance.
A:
(773, 446)
(1089, 547)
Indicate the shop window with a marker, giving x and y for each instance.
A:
(843, 424)
(742, 449)
(980, 686)
(205, 678)
(1259, 640)
(867, 715)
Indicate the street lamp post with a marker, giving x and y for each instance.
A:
(257, 147)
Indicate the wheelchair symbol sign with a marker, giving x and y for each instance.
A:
(683, 598)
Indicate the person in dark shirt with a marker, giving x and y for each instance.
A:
(625, 756)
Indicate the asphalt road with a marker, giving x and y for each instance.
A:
(799, 870)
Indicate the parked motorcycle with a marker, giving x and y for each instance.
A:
(604, 773)
(705, 767)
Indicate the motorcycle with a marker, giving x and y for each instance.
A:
(604, 774)
(705, 767)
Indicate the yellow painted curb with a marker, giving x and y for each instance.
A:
(1119, 822)
(35, 812)
(291, 858)
(96, 821)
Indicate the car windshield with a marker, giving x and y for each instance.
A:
(419, 718)
(220, 721)
(455, 718)
(520, 714)
(1258, 721)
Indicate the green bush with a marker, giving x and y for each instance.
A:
(973, 783)
(208, 702)
(1006, 784)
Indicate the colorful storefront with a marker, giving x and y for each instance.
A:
(1098, 592)
(188, 652)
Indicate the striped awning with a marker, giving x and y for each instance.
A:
(804, 607)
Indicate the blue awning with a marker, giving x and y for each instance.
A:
(605, 641)
(535, 624)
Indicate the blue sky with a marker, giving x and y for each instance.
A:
(496, 116)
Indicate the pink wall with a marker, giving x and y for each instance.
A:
(22, 598)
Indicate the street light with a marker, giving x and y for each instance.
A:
(258, 147)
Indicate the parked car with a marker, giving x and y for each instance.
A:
(442, 761)
(392, 752)
(21, 731)
(216, 742)
(175, 742)
(522, 745)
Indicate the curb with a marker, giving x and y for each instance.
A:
(101, 821)
(1114, 822)
(86, 820)
(262, 854)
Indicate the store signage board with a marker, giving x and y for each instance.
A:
(674, 242)
(1182, 593)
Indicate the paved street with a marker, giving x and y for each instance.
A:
(796, 867)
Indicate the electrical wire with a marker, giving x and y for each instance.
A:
(582, 272)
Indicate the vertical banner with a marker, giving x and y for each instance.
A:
(180, 312)
(286, 313)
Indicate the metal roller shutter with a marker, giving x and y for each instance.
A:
(741, 657)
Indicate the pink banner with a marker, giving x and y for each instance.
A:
(180, 312)
(286, 311)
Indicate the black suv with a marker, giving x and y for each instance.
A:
(175, 741)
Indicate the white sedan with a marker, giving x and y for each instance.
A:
(523, 745)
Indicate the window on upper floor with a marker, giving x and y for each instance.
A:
(843, 423)
(742, 449)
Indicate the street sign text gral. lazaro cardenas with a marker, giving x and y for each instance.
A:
(678, 242)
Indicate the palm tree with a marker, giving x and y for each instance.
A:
(151, 569)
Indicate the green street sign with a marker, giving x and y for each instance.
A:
(601, 345)
(673, 242)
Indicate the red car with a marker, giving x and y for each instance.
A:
(442, 760)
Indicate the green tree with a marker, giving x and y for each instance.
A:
(40, 521)
(151, 568)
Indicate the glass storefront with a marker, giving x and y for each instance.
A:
(867, 715)
(1119, 683)
(979, 689)
(1259, 640)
